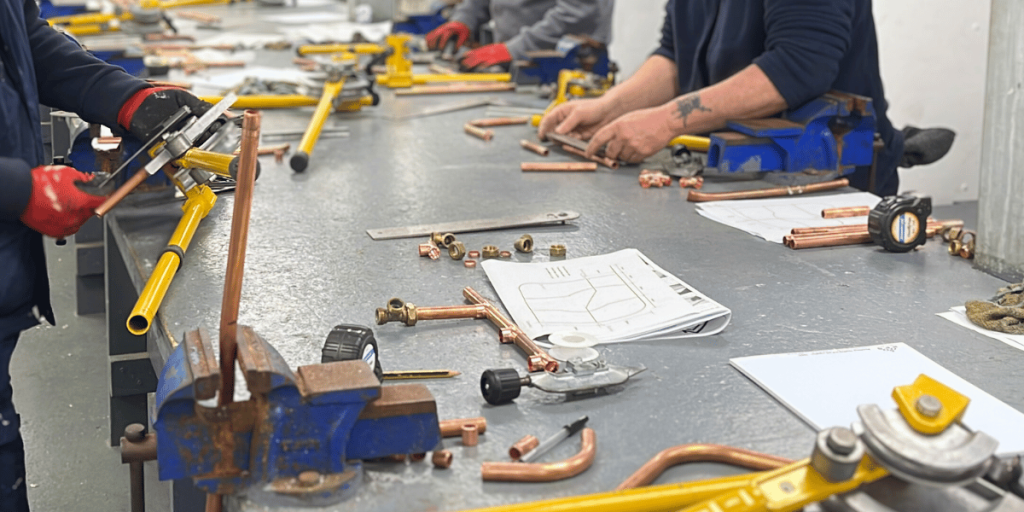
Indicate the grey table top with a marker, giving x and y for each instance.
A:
(310, 265)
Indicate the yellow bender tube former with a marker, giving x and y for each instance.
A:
(217, 163)
(300, 160)
(199, 200)
(266, 101)
(399, 69)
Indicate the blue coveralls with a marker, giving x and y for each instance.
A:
(805, 47)
(38, 65)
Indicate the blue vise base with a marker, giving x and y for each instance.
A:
(832, 133)
(571, 52)
(323, 418)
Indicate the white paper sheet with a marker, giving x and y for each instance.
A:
(617, 297)
(824, 388)
(958, 315)
(772, 219)
(341, 31)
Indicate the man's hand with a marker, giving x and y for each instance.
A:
(634, 136)
(439, 37)
(486, 56)
(147, 109)
(57, 207)
(579, 118)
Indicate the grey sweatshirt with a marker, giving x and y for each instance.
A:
(528, 25)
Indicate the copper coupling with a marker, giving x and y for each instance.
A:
(652, 178)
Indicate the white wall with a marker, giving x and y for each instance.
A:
(933, 55)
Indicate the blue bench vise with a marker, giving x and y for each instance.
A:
(320, 421)
(420, 24)
(571, 52)
(835, 133)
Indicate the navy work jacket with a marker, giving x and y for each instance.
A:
(805, 47)
(39, 65)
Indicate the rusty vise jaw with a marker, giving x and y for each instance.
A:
(320, 422)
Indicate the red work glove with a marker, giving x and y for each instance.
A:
(438, 37)
(57, 207)
(485, 57)
(147, 109)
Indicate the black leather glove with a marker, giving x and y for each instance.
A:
(147, 109)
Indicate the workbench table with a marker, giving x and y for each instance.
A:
(310, 265)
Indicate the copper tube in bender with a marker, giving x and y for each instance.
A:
(557, 166)
(535, 355)
(605, 161)
(477, 132)
(523, 446)
(453, 428)
(533, 146)
(846, 211)
(236, 253)
(121, 192)
(700, 197)
(499, 121)
(700, 453)
(549, 472)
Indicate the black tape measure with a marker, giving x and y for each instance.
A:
(900, 223)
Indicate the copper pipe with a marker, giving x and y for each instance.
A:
(828, 229)
(198, 16)
(499, 121)
(523, 446)
(442, 459)
(214, 503)
(809, 242)
(701, 197)
(537, 358)
(417, 90)
(931, 229)
(121, 192)
(605, 161)
(479, 133)
(449, 312)
(236, 253)
(846, 211)
(549, 472)
(453, 428)
(440, 70)
(686, 453)
(470, 436)
(536, 148)
(558, 166)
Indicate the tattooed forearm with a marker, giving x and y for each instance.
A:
(689, 104)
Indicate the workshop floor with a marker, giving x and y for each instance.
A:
(60, 390)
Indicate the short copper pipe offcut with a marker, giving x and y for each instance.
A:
(557, 166)
(547, 472)
(478, 132)
(442, 459)
(523, 446)
(470, 435)
(686, 453)
(453, 428)
(605, 161)
(846, 211)
(702, 197)
(536, 148)
(499, 121)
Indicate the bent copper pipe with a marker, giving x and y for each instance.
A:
(686, 453)
(846, 211)
(702, 197)
(121, 193)
(603, 160)
(548, 472)
(453, 428)
(537, 358)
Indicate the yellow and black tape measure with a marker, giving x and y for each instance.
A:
(900, 223)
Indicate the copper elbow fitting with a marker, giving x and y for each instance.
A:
(442, 459)
(442, 239)
(470, 436)
(453, 428)
(686, 453)
(549, 472)
(523, 446)
(524, 244)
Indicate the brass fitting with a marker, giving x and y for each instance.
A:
(967, 251)
(524, 244)
(442, 240)
(397, 310)
(424, 249)
(456, 250)
(954, 247)
(434, 252)
(557, 250)
(953, 233)
(490, 251)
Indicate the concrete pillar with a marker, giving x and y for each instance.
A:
(1000, 249)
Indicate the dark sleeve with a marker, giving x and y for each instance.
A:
(805, 40)
(667, 45)
(71, 79)
(16, 180)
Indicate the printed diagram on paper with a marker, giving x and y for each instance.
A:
(772, 219)
(617, 297)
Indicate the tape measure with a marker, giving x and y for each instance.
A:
(900, 223)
